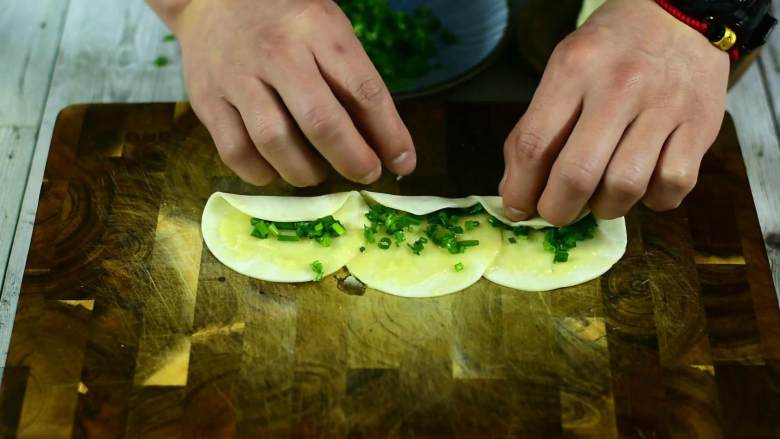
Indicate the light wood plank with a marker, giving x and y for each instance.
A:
(29, 35)
(770, 64)
(749, 106)
(106, 55)
(15, 146)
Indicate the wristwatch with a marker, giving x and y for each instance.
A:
(736, 26)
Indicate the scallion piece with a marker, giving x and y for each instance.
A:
(512, 240)
(273, 230)
(469, 243)
(260, 230)
(384, 243)
(288, 238)
(338, 228)
(325, 240)
(471, 225)
(316, 267)
(369, 232)
(459, 267)
(362, 249)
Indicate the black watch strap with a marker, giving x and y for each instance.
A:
(749, 19)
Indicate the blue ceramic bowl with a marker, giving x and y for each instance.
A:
(480, 26)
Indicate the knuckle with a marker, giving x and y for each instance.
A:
(678, 180)
(627, 184)
(579, 177)
(268, 136)
(369, 92)
(526, 146)
(322, 121)
(316, 9)
(233, 154)
(574, 53)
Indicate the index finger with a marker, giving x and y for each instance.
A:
(322, 118)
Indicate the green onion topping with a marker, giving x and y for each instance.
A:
(384, 243)
(459, 267)
(322, 230)
(316, 267)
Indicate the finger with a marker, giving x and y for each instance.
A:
(275, 135)
(677, 170)
(233, 144)
(581, 164)
(533, 144)
(357, 84)
(631, 167)
(321, 116)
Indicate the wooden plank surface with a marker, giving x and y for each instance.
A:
(128, 325)
(15, 152)
(29, 37)
(106, 55)
(752, 114)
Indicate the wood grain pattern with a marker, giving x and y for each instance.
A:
(106, 55)
(761, 151)
(29, 38)
(128, 326)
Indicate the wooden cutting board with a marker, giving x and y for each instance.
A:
(127, 325)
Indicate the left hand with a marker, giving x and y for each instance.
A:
(626, 109)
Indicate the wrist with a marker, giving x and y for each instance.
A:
(735, 26)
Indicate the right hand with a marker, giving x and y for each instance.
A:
(283, 85)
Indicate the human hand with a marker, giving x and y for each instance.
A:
(626, 109)
(284, 87)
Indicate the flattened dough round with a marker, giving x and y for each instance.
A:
(527, 266)
(400, 272)
(226, 230)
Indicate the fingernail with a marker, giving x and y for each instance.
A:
(515, 214)
(373, 176)
(404, 162)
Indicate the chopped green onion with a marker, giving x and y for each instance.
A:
(495, 222)
(560, 241)
(475, 209)
(338, 228)
(459, 267)
(369, 232)
(469, 243)
(161, 61)
(288, 238)
(273, 230)
(384, 243)
(316, 267)
(418, 246)
(521, 231)
(324, 240)
(399, 237)
(512, 240)
(286, 226)
(169, 38)
(362, 249)
(260, 230)
(471, 225)
(255, 221)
